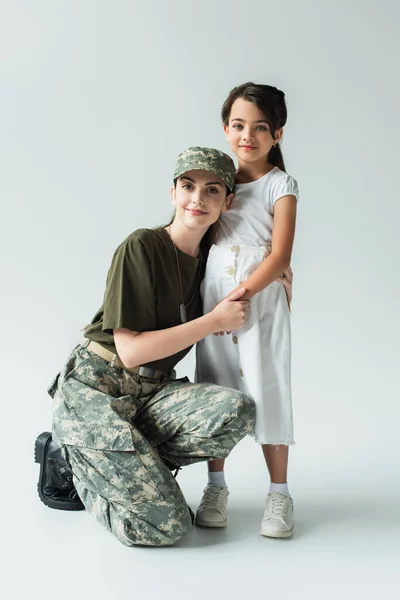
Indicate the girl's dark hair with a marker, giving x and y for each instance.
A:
(271, 102)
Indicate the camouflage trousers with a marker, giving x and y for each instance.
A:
(118, 431)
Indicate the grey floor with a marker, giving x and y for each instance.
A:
(346, 543)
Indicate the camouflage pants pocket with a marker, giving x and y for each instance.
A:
(132, 494)
(83, 416)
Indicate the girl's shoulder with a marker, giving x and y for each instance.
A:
(281, 184)
(274, 177)
(268, 189)
(277, 175)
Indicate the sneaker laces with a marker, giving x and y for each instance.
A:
(212, 497)
(275, 504)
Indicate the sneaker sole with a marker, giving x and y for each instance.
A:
(277, 534)
(210, 524)
(41, 443)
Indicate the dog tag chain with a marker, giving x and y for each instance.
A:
(183, 306)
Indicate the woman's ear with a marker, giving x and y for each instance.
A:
(226, 130)
(173, 195)
(228, 202)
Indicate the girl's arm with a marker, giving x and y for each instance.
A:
(282, 243)
(135, 348)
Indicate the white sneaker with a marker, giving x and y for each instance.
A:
(212, 508)
(278, 516)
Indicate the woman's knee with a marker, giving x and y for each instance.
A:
(245, 405)
(237, 404)
(245, 413)
(148, 523)
(155, 526)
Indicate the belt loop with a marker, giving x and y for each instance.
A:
(112, 361)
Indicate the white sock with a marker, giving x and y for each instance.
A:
(216, 478)
(281, 488)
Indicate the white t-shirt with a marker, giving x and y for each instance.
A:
(250, 219)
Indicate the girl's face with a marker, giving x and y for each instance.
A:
(248, 132)
(199, 199)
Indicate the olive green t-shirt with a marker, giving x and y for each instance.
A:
(143, 291)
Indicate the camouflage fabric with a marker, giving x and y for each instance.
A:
(207, 159)
(117, 431)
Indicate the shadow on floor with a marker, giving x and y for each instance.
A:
(353, 513)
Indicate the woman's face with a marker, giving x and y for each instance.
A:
(199, 199)
(248, 132)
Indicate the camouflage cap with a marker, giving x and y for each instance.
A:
(207, 159)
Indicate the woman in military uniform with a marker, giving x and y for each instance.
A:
(120, 416)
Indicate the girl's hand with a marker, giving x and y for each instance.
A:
(286, 279)
(230, 313)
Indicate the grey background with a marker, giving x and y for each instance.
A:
(96, 100)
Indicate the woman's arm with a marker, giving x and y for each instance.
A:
(282, 243)
(135, 348)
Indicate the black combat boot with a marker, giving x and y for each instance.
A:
(55, 485)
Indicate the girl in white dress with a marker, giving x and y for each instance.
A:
(253, 247)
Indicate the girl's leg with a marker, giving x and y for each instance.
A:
(216, 465)
(216, 475)
(276, 458)
(212, 508)
(278, 516)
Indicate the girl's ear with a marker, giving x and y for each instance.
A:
(172, 195)
(228, 202)
(278, 134)
(226, 130)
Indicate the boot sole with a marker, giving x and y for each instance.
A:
(41, 443)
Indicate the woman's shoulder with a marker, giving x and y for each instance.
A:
(148, 238)
(142, 243)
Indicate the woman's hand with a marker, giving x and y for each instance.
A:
(286, 279)
(230, 313)
(144, 347)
